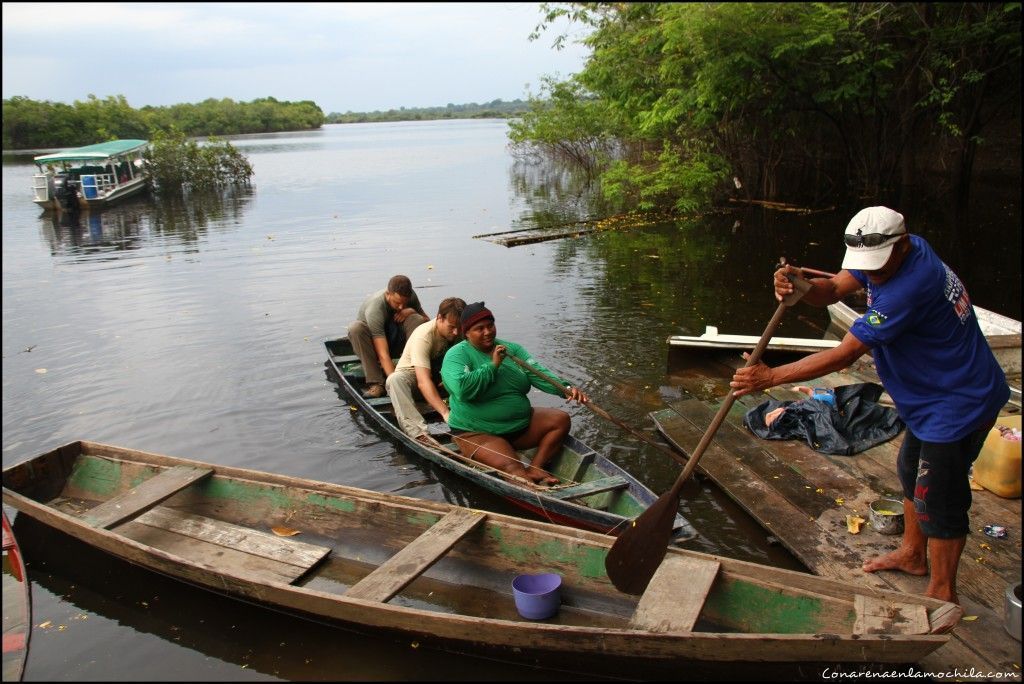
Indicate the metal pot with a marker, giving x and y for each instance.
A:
(1011, 611)
(886, 516)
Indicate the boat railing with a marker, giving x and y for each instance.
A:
(95, 185)
(41, 187)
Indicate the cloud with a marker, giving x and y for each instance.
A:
(344, 56)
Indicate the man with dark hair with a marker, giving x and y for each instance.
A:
(385, 321)
(419, 369)
(936, 365)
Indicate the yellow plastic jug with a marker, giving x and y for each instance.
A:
(997, 468)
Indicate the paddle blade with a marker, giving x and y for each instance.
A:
(639, 550)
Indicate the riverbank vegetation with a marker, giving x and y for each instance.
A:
(495, 109)
(682, 104)
(31, 124)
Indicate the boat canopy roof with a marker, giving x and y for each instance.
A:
(97, 152)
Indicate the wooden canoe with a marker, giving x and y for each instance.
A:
(439, 575)
(686, 350)
(595, 493)
(17, 607)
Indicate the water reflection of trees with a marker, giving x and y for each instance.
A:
(183, 219)
(668, 271)
(187, 216)
(554, 193)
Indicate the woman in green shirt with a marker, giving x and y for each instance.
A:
(491, 416)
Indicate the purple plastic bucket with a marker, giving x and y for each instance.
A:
(537, 596)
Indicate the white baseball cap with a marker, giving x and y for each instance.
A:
(870, 237)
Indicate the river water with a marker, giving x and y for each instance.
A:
(196, 328)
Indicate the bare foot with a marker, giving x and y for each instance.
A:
(900, 559)
(541, 477)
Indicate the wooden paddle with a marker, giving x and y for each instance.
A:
(639, 550)
(597, 409)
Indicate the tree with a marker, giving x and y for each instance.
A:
(799, 100)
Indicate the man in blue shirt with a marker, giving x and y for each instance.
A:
(933, 361)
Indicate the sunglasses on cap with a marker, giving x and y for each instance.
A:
(869, 240)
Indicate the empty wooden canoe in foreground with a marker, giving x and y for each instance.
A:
(440, 575)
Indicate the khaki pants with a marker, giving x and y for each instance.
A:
(362, 345)
(402, 388)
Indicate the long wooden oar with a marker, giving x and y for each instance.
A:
(597, 409)
(639, 550)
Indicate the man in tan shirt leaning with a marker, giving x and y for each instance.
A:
(420, 364)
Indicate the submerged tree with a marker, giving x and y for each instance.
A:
(175, 162)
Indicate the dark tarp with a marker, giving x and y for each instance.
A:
(856, 422)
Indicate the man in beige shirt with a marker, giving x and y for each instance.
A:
(420, 364)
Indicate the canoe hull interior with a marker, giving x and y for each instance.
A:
(221, 530)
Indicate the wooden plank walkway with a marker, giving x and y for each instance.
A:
(802, 497)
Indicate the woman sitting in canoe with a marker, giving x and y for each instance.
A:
(491, 416)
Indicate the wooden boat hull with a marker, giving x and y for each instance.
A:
(688, 350)
(17, 607)
(606, 512)
(212, 531)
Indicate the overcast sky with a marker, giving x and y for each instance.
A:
(343, 56)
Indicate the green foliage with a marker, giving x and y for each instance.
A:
(29, 124)
(665, 180)
(176, 162)
(564, 122)
(495, 109)
(807, 100)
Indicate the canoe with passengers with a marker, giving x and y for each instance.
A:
(594, 492)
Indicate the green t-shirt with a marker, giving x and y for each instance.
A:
(488, 399)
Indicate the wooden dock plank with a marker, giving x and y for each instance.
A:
(406, 565)
(146, 495)
(675, 595)
(984, 571)
(795, 529)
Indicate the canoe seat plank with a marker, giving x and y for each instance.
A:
(412, 561)
(144, 496)
(675, 595)
(585, 461)
(232, 549)
(379, 402)
(605, 484)
(346, 358)
(878, 616)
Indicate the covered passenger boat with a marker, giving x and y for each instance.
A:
(90, 177)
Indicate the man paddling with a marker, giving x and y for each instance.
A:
(936, 365)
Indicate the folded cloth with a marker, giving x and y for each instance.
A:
(854, 423)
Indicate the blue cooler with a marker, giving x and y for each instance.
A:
(89, 190)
